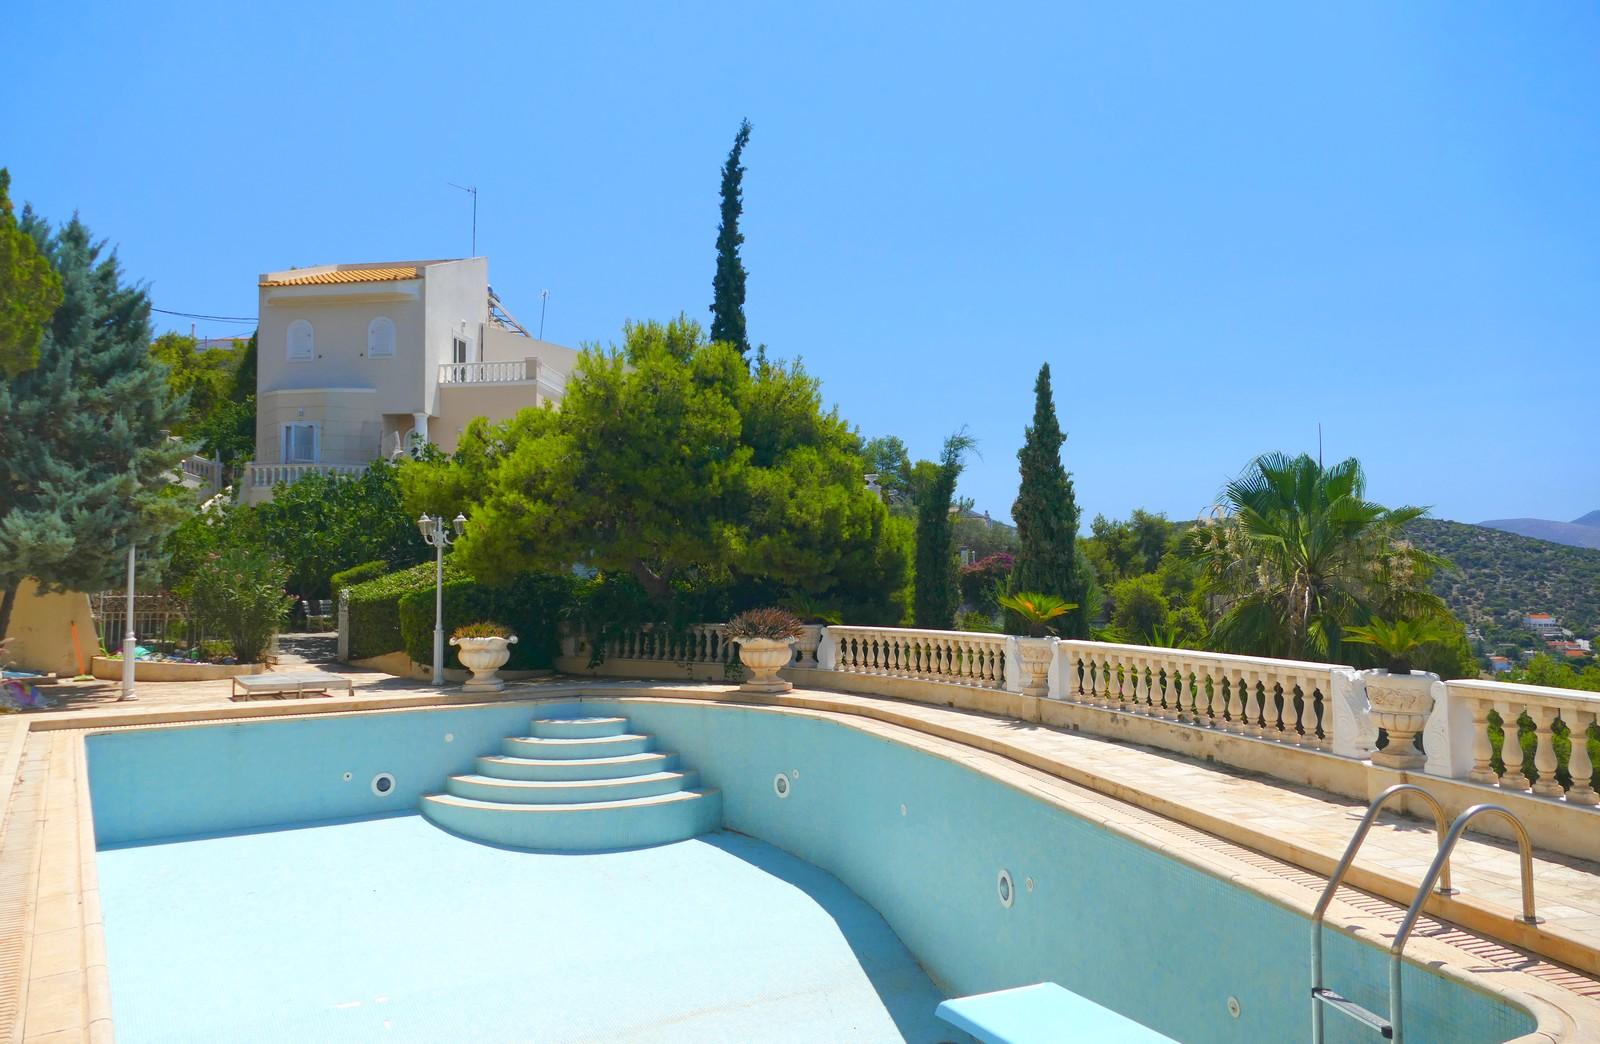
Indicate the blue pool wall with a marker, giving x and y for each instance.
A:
(1107, 917)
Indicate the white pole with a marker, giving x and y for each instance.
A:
(129, 639)
(438, 601)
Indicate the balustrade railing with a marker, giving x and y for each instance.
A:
(501, 372)
(697, 643)
(265, 476)
(1528, 737)
(965, 657)
(1284, 700)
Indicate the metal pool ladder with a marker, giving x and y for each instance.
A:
(1393, 1028)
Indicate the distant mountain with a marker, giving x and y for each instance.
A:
(1499, 576)
(1580, 532)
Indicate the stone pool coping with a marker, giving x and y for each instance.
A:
(58, 987)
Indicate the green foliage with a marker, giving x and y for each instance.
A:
(1140, 609)
(1134, 547)
(1544, 669)
(531, 606)
(983, 537)
(673, 462)
(982, 623)
(358, 574)
(937, 594)
(85, 462)
(1046, 513)
(984, 581)
(375, 608)
(483, 629)
(1399, 640)
(1302, 554)
(205, 379)
(239, 592)
(727, 286)
(1037, 610)
(772, 623)
(30, 290)
(888, 459)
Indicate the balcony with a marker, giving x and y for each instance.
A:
(512, 371)
(265, 476)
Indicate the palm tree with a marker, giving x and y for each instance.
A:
(1300, 554)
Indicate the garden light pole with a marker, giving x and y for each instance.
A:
(437, 535)
(129, 639)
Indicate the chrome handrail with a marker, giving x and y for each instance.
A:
(1525, 850)
(1337, 878)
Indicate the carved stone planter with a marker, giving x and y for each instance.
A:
(1035, 655)
(483, 657)
(762, 658)
(1400, 705)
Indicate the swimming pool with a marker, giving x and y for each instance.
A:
(920, 839)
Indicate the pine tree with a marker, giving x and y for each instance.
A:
(1046, 515)
(937, 592)
(29, 290)
(727, 287)
(84, 456)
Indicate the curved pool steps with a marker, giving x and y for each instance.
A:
(587, 827)
(577, 785)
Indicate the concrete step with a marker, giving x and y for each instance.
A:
(577, 728)
(587, 827)
(503, 766)
(569, 792)
(543, 749)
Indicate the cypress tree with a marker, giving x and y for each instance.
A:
(727, 286)
(937, 593)
(1046, 515)
(85, 461)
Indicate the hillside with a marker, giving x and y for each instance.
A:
(1500, 576)
(1582, 532)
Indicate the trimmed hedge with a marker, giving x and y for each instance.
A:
(358, 574)
(375, 608)
(532, 606)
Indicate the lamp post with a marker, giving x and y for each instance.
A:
(438, 536)
(129, 638)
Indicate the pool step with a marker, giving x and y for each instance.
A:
(538, 747)
(577, 785)
(569, 791)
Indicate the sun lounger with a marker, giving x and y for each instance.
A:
(289, 685)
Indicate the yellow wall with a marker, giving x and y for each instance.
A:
(41, 631)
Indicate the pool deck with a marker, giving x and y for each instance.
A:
(1264, 834)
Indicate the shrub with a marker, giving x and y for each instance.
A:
(483, 629)
(774, 623)
(375, 608)
(980, 580)
(531, 605)
(357, 574)
(240, 593)
(983, 623)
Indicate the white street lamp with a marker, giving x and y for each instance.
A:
(129, 639)
(437, 536)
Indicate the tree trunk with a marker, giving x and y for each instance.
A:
(7, 601)
(654, 585)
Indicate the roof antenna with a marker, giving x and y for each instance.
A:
(473, 192)
(544, 297)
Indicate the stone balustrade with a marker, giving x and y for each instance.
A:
(697, 643)
(500, 372)
(265, 476)
(963, 657)
(1480, 729)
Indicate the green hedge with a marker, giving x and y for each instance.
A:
(358, 574)
(375, 608)
(532, 606)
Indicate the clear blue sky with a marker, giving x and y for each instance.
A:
(1220, 224)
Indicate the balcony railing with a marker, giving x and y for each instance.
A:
(265, 476)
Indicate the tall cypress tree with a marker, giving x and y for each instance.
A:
(937, 593)
(84, 456)
(727, 286)
(1046, 515)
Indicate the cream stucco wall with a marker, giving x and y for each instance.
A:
(41, 631)
(459, 403)
(507, 346)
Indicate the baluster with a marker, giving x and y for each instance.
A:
(1582, 792)
(1544, 755)
(1239, 705)
(1510, 747)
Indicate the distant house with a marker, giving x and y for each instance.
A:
(358, 362)
(1499, 664)
(1541, 623)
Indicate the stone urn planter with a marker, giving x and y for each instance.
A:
(1035, 655)
(483, 657)
(762, 659)
(1400, 705)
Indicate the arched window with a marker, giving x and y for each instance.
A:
(380, 338)
(302, 341)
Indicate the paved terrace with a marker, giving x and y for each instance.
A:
(52, 964)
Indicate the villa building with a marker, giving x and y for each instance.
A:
(359, 362)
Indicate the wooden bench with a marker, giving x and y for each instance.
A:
(289, 685)
(1042, 1014)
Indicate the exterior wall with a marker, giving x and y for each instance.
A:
(458, 404)
(505, 346)
(457, 297)
(41, 631)
(351, 424)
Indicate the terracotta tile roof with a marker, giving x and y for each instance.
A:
(346, 275)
